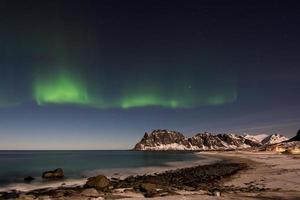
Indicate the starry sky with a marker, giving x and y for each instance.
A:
(97, 74)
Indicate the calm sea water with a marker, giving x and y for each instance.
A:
(15, 165)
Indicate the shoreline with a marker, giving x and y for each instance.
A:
(120, 173)
(268, 176)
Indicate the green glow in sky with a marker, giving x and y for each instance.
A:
(65, 88)
(62, 88)
(148, 100)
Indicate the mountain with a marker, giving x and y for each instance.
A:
(256, 138)
(273, 139)
(163, 140)
(173, 140)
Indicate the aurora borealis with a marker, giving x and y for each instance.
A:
(61, 89)
(111, 69)
(65, 88)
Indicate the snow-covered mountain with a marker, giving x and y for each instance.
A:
(173, 140)
(265, 139)
(274, 139)
(256, 138)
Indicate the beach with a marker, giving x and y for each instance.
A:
(278, 174)
(267, 176)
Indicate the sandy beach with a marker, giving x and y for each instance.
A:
(279, 174)
(268, 176)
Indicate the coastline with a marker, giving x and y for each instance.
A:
(119, 173)
(268, 176)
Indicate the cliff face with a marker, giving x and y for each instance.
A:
(172, 140)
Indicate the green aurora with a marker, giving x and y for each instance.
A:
(62, 89)
(66, 88)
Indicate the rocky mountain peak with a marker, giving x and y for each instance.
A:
(162, 139)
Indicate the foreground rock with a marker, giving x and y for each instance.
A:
(57, 173)
(26, 197)
(99, 182)
(90, 192)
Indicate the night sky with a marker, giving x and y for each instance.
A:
(97, 74)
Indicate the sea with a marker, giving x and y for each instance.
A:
(15, 165)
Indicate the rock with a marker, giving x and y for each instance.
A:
(46, 197)
(59, 194)
(217, 193)
(28, 178)
(57, 173)
(10, 195)
(146, 187)
(98, 198)
(149, 189)
(90, 192)
(99, 182)
(187, 188)
(26, 197)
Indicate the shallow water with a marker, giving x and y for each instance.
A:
(15, 165)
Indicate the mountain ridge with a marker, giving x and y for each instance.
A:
(162, 139)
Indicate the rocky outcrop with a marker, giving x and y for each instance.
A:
(99, 182)
(57, 173)
(172, 140)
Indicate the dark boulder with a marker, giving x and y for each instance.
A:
(28, 178)
(57, 173)
(149, 189)
(99, 182)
